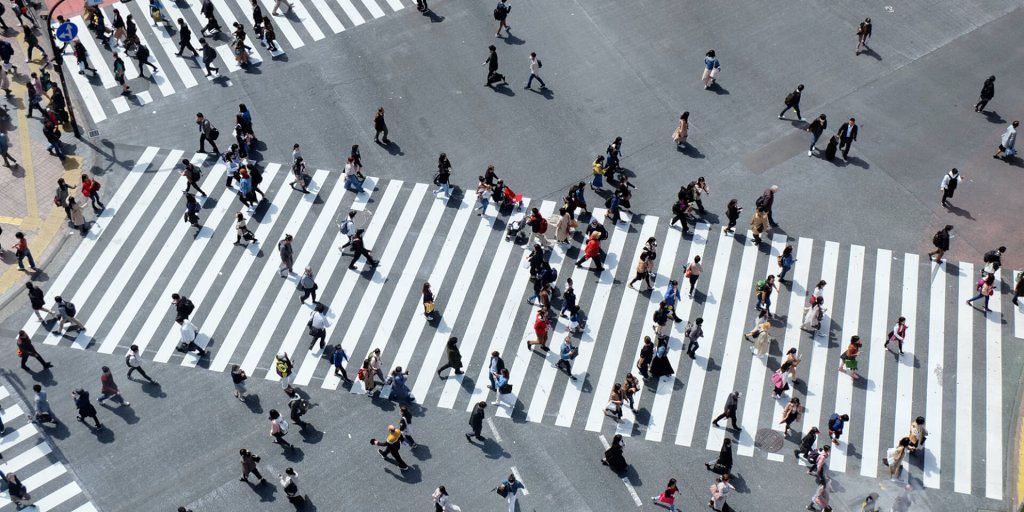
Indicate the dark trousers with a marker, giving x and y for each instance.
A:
(728, 414)
(279, 438)
(360, 254)
(392, 450)
(307, 292)
(693, 282)
(681, 219)
(26, 355)
(203, 139)
(34, 105)
(132, 369)
(644, 369)
(595, 259)
(186, 44)
(256, 472)
(382, 130)
(691, 348)
(980, 106)
(322, 336)
(795, 108)
(210, 68)
(448, 366)
(95, 419)
(193, 185)
(844, 148)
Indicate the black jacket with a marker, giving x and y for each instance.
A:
(842, 133)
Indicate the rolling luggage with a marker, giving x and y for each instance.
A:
(830, 150)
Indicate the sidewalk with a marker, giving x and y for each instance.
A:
(26, 189)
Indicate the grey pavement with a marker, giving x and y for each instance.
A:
(613, 69)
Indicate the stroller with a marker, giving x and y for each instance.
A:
(515, 228)
(504, 196)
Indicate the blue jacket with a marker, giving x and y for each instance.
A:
(513, 487)
(671, 295)
(245, 185)
(338, 357)
(566, 352)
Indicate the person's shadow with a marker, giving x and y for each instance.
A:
(870, 53)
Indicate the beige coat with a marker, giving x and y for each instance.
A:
(77, 218)
(564, 228)
(679, 136)
(759, 223)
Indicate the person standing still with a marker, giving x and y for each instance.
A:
(535, 65)
(380, 127)
(941, 242)
(711, 69)
(847, 134)
(501, 12)
(792, 101)
(863, 34)
(988, 91)
(134, 362)
(1008, 141)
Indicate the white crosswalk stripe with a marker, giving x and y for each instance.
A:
(481, 281)
(28, 455)
(102, 95)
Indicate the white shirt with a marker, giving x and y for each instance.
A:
(134, 361)
(319, 320)
(350, 169)
(949, 177)
(188, 331)
(534, 68)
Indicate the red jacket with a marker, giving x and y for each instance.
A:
(593, 248)
(87, 187)
(540, 325)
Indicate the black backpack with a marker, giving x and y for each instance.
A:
(790, 98)
(188, 306)
(939, 238)
(70, 309)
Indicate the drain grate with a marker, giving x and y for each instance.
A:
(769, 440)
(94, 133)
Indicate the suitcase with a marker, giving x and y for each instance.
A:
(830, 150)
(495, 77)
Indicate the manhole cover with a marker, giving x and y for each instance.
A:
(769, 440)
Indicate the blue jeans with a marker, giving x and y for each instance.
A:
(482, 205)
(785, 270)
(814, 140)
(446, 188)
(598, 181)
(980, 295)
(352, 183)
(55, 148)
(529, 81)
(26, 254)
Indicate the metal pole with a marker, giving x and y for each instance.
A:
(58, 60)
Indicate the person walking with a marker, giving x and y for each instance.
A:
(5, 144)
(540, 329)
(613, 457)
(347, 227)
(1008, 142)
(338, 358)
(789, 365)
(443, 177)
(359, 250)
(1018, 289)
(249, 461)
(817, 468)
(16, 490)
(693, 333)
(380, 127)
(848, 359)
(941, 242)
(390, 447)
(731, 404)
(25, 350)
(836, 423)
(285, 370)
(711, 69)
(494, 368)
(538, 227)
(918, 434)
(732, 212)
(289, 481)
(209, 54)
(91, 190)
(948, 186)
(108, 388)
(66, 312)
(238, 378)
(483, 196)
(682, 130)
(142, 55)
(767, 203)
(592, 252)
(476, 422)
(790, 414)
(759, 224)
(297, 408)
(308, 286)
(77, 217)
(189, 335)
(692, 273)
(284, 249)
(764, 289)
(43, 412)
(644, 267)
(353, 179)
(667, 497)
(299, 175)
(454, 358)
(847, 134)
(792, 101)
(442, 502)
(804, 452)
(566, 355)
(84, 407)
(133, 360)
(34, 101)
(761, 336)
(643, 363)
(491, 62)
(535, 65)
(813, 315)
(660, 318)
(863, 34)
(630, 385)
(22, 252)
(501, 12)
(816, 128)
(192, 176)
(278, 429)
(183, 307)
(37, 299)
(207, 133)
(898, 333)
(503, 389)
(509, 489)
(820, 499)
(723, 464)
(785, 262)
(720, 491)
(986, 289)
(988, 91)
(660, 365)
(894, 458)
(185, 39)
(32, 43)
(318, 324)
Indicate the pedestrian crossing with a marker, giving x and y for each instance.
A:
(306, 21)
(27, 454)
(138, 252)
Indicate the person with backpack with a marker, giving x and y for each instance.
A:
(297, 408)
(133, 360)
(25, 350)
(209, 54)
(693, 333)
(509, 489)
(949, 183)
(284, 369)
(189, 335)
(988, 91)
(763, 289)
(535, 65)
(347, 227)
(66, 312)
(91, 190)
(501, 12)
(538, 226)
(993, 260)
(986, 288)
(278, 428)
(238, 378)
(592, 252)
(941, 242)
(192, 176)
(792, 101)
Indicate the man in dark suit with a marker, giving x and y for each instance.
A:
(847, 134)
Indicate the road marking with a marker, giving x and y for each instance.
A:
(516, 473)
(55, 498)
(936, 342)
(819, 344)
(851, 326)
(905, 370)
(625, 480)
(165, 40)
(395, 5)
(994, 396)
(93, 56)
(307, 20)
(285, 28)
(735, 340)
(1018, 311)
(351, 12)
(374, 9)
(964, 370)
(496, 435)
(876, 356)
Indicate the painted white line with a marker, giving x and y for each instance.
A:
(307, 20)
(158, 75)
(994, 397)
(120, 104)
(1018, 311)
(964, 376)
(170, 47)
(519, 477)
(283, 25)
(756, 383)
(336, 308)
(801, 272)
(145, 98)
(23, 459)
(876, 356)
(351, 12)
(620, 330)
(327, 268)
(935, 369)
(243, 264)
(159, 315)
(453, 306)
(15, 437)
(70, 272)
(154, 267)
(127, 266)
(448, 298)
(175, 14)
(663, 393)
(254, 56)
(93, 56)
(408, 280)
(476, 322)
(851, 327)
(596, 314)
(524, 356)
(395, 5)
(699, 367)
(375, 10)
(385, 261)
(89, 97)
(905, 369)
(4, 393)
(88, 507)
(56, 498)
(496, 435)
(734, 341)
(13, 412)
(45, 476)
(130, 71)
(819, 353)
(625, 480)
(328, 15)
